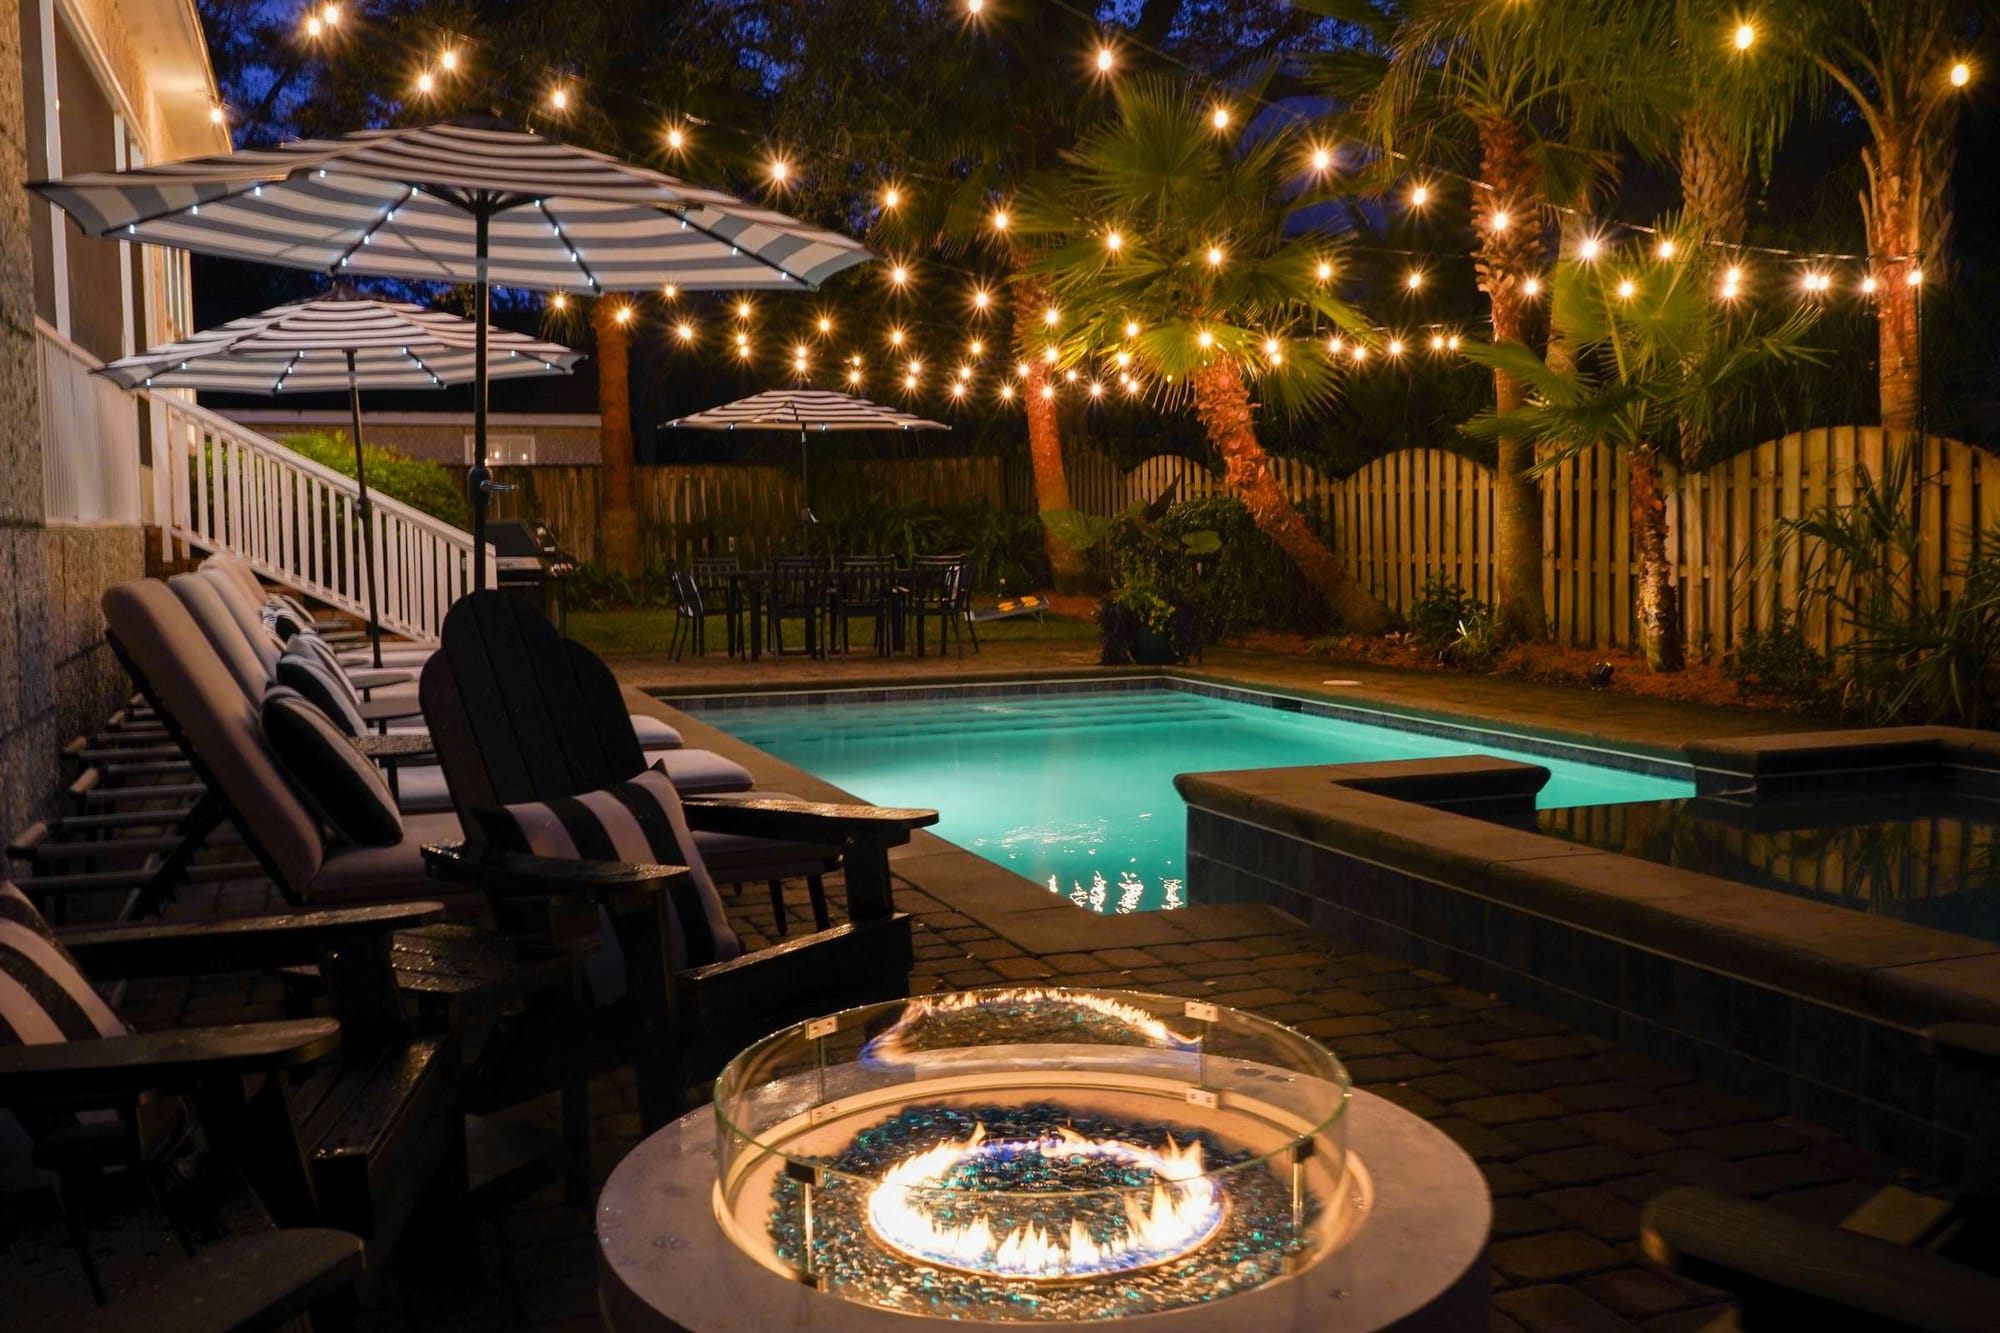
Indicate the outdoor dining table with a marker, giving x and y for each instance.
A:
(748, 586)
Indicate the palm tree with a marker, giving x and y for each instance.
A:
(617, 506)
(1531, 101)
(1900, 64)
(1654, 350)
(1170, 251)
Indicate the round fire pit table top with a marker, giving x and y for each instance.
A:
(1416, 1263)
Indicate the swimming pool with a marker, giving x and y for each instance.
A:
(1074, 788)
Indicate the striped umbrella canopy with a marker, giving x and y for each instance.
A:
(804, 410)
(475, 200)
(337, 343)
(341, 341)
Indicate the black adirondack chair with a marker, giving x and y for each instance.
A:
(348, 1121)
(864, 585)
(520, 714)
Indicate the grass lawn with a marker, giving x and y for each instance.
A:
(627, 633)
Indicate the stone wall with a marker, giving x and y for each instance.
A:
(57, 676)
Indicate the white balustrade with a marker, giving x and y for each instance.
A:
(224, 487)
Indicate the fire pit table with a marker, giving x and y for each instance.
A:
(1043, 1156)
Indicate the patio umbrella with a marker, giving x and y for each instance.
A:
(804, 410)
(474, 200)
(341, 341)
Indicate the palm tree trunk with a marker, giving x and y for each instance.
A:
(1659, 600)
(1051, 482)
(1715, 178)
(617, 511)
(1506, 257)
(1892, 204)
(1222, 401)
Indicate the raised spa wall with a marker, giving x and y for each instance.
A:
(1803, 1006)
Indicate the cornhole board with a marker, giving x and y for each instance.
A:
(1009, 609)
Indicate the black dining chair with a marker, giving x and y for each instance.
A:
(712, 578)
(865, 586)
(797, 591)
(935, 591)
(690, 617)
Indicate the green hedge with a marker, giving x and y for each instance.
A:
(430, 487)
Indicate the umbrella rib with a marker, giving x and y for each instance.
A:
(576, 256)
(144, 218)
(713, 235)
(368, 231)
(278, 385)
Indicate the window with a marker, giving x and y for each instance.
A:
(513, 449)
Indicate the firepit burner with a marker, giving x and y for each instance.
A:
(911, 1210)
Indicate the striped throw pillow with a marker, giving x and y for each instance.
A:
(303, 669)
(43, 997)
(638, 821)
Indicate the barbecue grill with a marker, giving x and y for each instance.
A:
(532, 564)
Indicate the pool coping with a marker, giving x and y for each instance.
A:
(1794, 1002)
(1648, 760)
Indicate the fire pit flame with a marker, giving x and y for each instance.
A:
(1184, 1211)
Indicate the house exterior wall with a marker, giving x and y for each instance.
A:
(72, 467)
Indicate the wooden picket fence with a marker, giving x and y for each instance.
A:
(749, 510)
(1420, 512)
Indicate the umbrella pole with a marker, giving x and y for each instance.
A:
(805, 483)
(361, 511)
(477, 481)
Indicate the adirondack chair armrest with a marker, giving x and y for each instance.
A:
(836, 956)
(112, 1067)
(805, 821)
(389, 710)
(247, 944)
(1792, 1273)
(516, 874)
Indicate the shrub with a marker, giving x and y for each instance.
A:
(1248, 582)
(1780, 662)
(1442, 605)
(430, 487)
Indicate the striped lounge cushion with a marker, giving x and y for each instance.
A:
(302, 667)
(638, 821)
(43, 997)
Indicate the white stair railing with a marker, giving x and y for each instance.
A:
(222, 487)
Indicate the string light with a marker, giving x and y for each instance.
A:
(981, 298)
(999, 219)
(1395, 347)
(974, 6)
(1219, 118)
(1007, 392)
(780, 169)
(1588, 248)
(891, 197)
(1215, 256)
(896, 337)
(1437, 342)
(1050, 355)
(1626, 289)
(1113, 241)
(742, 310)
(1532, 286)
(424, 82)
(854, 377)
(958, 391)
(1916, 277)
(1360, 352)
(825, 324)
(1051, 316)
(622, 315)
(1325, 270)
(1096, 389)
(1070, 375)
(685, 330)
(559, 98)
(215, 115)
(1415, 279)
(976, 348)
(1131, 328)
(1961, 74)
(1104, 60)
(313, 26)
(1499, 221)
(1333, 345)
(1868, 285)
(1321, 159)
(1666, 247)
(1204, 339)
(1420, 195)
(448, 60)
(559, 302)
(1022, 368)
(1270, 347)
(1048, 391)
(332, 15)
(676, 138)
(899, 275)
(1746, 36)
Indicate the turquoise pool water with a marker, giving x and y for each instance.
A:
(1076, 791)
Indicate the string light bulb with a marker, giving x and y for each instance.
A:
(424, 83)
(1219, 118)
(1627, 289)
(1915, 278)
(1420, 195)
(896, 337)
(1588, 248)
(1325, 270)
(676, 138)
(1415, 279)
(1321, 159)
(1051, 355)
(215, 115)
(1022, 368)
(331, 14)
(1048, 391)
(1437, 342)
(1070, 375)
(1131, 328)
(1204, 339)
(975, 348)
(1499, 221)
(981, 298)
(1667, 247)
(684, 331)
(448, 60)
(1868, 285)
(974, 6)
(899, 275)
(559, 99)
(780, 170)
(1007, 391)
(1961, 74)
(313, 26)
(1096, 389)
(1051, 316)
(825, 324)
(999, 219)
(1531, 285)
(559, 302)
(854, 377)
(958, 391)
(1215, 256)
(742, 310)
(1360, 352)
(1113, 241)
(1333, 345)
(622, 315)
(1105, 60)
(1746, 36)
(1395, 347)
